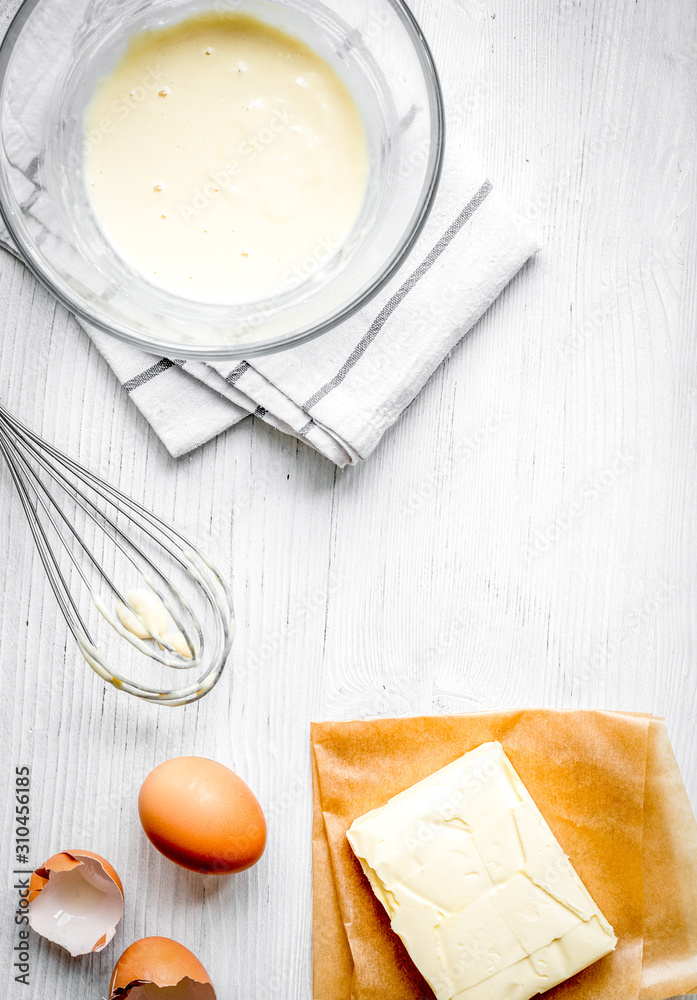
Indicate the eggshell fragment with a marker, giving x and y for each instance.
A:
(157, 968)
(202, 816)
(76, 901)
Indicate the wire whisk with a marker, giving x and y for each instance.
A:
(74, 517)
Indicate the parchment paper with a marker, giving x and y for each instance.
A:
(670, 875)
(610, 789)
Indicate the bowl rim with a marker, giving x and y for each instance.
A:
(240, 349)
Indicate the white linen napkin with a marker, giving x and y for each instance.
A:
(341, 392)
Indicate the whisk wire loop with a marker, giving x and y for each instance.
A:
(33, 465)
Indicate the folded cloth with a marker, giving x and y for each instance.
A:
(342, 391)
(608, 785)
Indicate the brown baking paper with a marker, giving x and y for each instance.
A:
(607, 784)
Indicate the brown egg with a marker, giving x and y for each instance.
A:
(157, 963)
(202, 816)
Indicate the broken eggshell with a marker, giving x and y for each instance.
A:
(157, 968)
(76, 901)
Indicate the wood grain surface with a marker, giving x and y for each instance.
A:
(525, 536)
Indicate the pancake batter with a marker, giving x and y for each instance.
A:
(225, 159)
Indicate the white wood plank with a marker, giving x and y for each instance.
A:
(526, 535)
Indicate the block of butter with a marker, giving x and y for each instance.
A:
(476, 886)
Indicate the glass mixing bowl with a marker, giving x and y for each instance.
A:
(50, 61)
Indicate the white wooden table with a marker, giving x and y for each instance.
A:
(526, 535)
